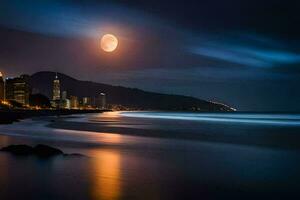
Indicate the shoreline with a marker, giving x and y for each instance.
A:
(285, 137)
(11, 116)
(267, 137)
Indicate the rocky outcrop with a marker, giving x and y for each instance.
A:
(40, 150)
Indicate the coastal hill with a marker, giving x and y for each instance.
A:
(41, 82)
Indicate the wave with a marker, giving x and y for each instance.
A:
(250, 118)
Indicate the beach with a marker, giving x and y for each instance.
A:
(137, 155)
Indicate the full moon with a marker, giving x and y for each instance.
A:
(109, 42)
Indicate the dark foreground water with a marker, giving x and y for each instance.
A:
(151, 155)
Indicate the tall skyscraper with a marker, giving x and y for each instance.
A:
(56, 89)
(2, 88)
(9, 89)
(101, 101)
(17, 89)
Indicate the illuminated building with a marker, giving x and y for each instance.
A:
(56, 89)
(86, 101)
(64, 95)
(65, 102)
(74, 102)
(101, 101)
(56, 93)
(17, 89)
(9, 89)
(2, 94)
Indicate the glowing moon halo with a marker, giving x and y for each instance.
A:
(109, 42)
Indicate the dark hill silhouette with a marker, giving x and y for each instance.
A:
(135, 98)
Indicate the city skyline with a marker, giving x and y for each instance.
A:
(18, 89)
(45, 90)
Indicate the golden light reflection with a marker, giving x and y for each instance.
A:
(5, 141)
(110, 115)
(111, 138)
(106, 178)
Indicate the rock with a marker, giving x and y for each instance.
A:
(18, 149)
(39, 150)
(46, 151)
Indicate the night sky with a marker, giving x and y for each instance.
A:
(245, 53)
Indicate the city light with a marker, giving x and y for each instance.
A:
(15, 93)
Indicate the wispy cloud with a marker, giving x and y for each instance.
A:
(271, 56)
(250, 51)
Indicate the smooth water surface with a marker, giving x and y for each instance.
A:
(155, 155)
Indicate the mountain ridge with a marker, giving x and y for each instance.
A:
(41, 82)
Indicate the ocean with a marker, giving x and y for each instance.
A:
(155, 155)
